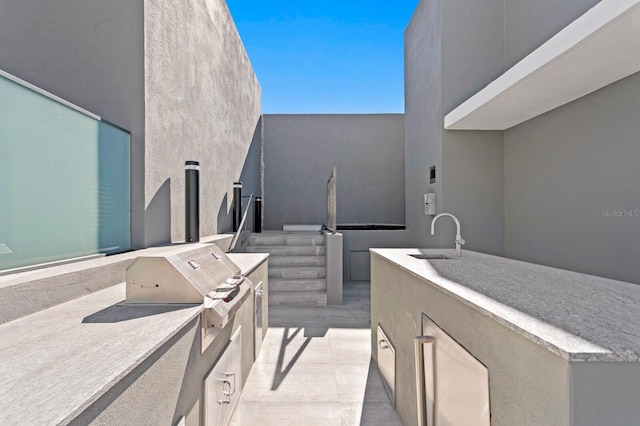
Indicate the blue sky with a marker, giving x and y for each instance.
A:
(326, 56)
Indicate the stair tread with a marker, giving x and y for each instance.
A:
(286, 239)
(288, 250)
(298, 292)
(297, 261)
(311, 298)
(308, 285)
(298, 268)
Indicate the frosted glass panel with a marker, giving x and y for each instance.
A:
(64, 181)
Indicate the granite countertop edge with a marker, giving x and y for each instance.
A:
(558, 341)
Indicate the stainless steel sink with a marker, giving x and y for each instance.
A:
(430, 256)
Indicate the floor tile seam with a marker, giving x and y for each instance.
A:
(303, 402)
(360, 338)
(314, 362)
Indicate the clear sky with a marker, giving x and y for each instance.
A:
(326, 56)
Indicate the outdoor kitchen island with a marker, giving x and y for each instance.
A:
(543, 346)
(100, 359)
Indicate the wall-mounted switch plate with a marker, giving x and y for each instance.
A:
(430, 204)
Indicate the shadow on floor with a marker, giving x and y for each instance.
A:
(281, 372)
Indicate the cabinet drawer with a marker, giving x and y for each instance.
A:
(387, 363)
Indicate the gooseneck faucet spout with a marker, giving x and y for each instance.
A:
(459, 241)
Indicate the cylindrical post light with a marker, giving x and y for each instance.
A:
(257, 216)
(192, 201)
(237, 205)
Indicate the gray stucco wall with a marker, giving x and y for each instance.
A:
(528, 24)
(472, 161)
(567, 169)
(91, 54)
(202, 103)
(452, 50)
(251, 178)
(423, 126)
(567, 173)
(175, 74)
(301, 150)
(546, 191)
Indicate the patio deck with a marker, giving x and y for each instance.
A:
(315, 368)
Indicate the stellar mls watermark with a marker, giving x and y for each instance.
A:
(621, 213)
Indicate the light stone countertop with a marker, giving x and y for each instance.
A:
(56, 362)
(579, 317)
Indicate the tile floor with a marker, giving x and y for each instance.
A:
(315, 368)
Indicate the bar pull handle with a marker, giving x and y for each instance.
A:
(226, 399)
(419, 342)
(231, 392)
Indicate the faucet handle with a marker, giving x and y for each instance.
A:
(460, 241)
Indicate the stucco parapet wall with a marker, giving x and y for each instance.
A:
(25, 293)
(576, 316)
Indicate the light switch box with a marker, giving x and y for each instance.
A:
(430, 204)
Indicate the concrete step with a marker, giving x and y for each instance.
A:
(297, 285)
(282, 239)
(275, 261)
(288, 250)
(298, 298)
(297, 273)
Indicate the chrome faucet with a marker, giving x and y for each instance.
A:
(459, 241)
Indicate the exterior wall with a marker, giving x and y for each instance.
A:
(564, 171)
(423, 112)
(174, 74)
(472, 161)
(356, 257)
(453, 49)
(301, 150)
(91, 54)
(540, 191)
(566, 168)
(528, 24)
(202, 103)
(251, 178)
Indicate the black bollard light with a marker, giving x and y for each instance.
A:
(237, 205)
(192, 201)
(257, 219)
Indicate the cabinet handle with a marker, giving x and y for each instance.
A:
(231, 392)
(226, 399)
(383, 344)
(419, 342)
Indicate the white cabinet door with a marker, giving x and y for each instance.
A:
(456, 383)
(223, 384)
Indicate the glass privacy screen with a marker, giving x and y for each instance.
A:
(64, 180)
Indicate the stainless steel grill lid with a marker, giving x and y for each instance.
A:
(203, 276)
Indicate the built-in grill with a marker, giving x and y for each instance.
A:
(202, 276)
